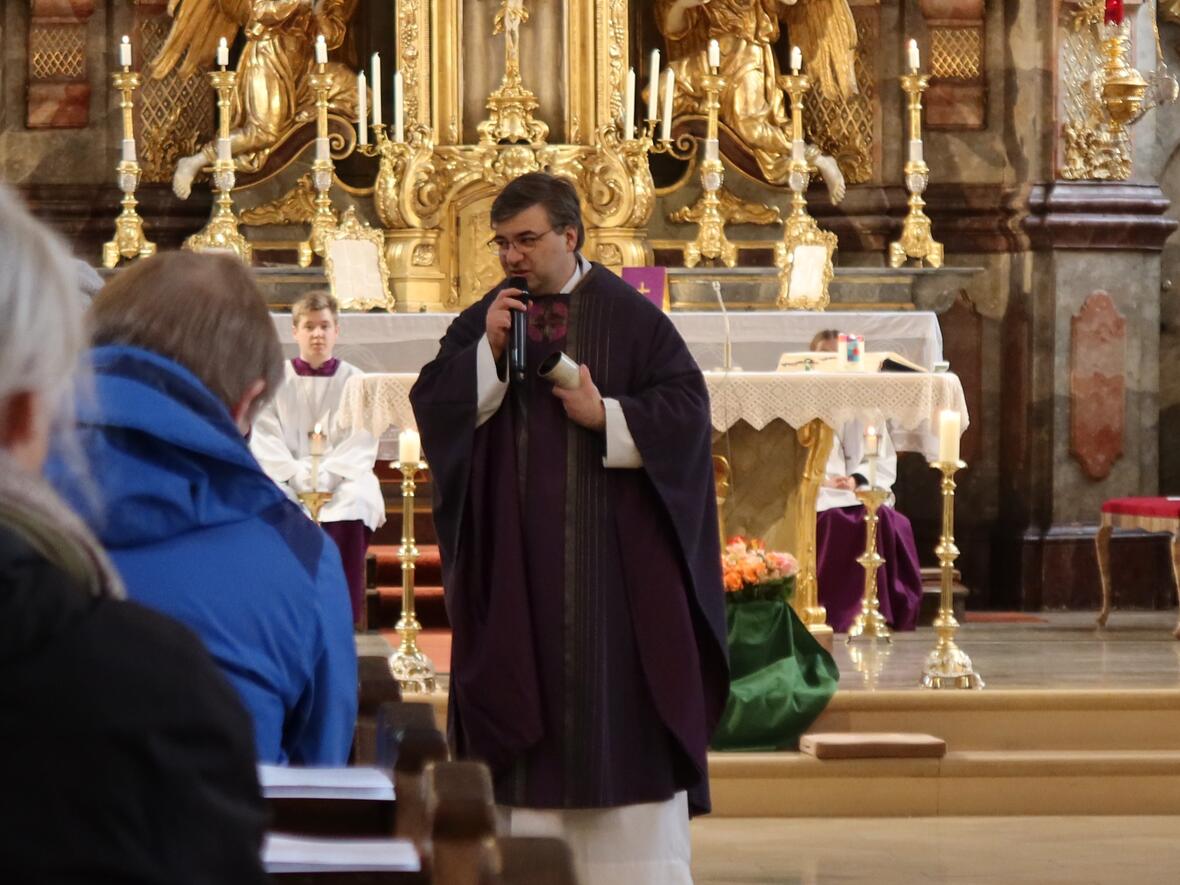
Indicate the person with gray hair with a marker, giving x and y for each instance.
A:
(124, 755)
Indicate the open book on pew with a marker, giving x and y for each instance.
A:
(297, 854)
(294, 782)
(823, 361)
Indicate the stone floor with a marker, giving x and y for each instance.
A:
(1062, 650)
(957, 851)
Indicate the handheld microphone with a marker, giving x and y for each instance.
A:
(518, 346)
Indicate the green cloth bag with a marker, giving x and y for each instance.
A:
(780, 678)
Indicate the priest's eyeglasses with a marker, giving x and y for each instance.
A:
(523, 244)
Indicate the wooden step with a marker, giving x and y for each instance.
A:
(429, 606)
(969, 782)
(427, 570)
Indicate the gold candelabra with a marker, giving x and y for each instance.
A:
(410, 667)
(799, 223)
(321, 172)
(870, 623)
(948, 666)
(916, 241)
(711, 241)
(799, 228)
(222, 233)
(129, 241)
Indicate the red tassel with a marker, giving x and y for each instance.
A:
(1114, 12)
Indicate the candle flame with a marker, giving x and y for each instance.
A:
(317, 430)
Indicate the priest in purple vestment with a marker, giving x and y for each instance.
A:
(581, 561)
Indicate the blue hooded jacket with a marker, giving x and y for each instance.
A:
(199, 532)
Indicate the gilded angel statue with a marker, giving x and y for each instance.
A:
(273, 93)
(752, 104)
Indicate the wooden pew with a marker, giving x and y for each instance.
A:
(462, 823)
(419, 748)
(533, 860)
(375, 688)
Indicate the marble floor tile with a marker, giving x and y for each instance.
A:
(957, 851)
(1064, 650)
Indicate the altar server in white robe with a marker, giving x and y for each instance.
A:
(284, 436)
(840, 528)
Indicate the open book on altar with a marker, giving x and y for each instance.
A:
(823, 361)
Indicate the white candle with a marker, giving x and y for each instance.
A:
(796, 59)
(321, 50)
(223, 151)
(629, 106)
(376, 88)
(409, 447)
(714, 54)
(872, 471)
(128, 150)
(669, 91)
(653, 83)
(399, 109)
(915, 60)
(321, 149)
(871, 440)
(125, 52)
(948, 436)
(222, 53)
(362, 109)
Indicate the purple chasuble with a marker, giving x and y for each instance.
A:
(588, 663)
(840, 539)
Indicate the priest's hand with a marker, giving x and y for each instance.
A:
(846, 483)
(499, 320)
(584, 404)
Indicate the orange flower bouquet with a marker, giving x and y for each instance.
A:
(754, 573)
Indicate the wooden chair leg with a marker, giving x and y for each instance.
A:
(1176, 575)
(1102, 547)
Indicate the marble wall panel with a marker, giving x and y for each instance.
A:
(58, 94)
(1097, 385)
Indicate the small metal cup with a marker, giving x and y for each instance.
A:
(561, 370)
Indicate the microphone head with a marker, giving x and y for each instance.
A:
(517, 283)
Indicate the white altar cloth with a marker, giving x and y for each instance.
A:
(405, 342)
(911, 402)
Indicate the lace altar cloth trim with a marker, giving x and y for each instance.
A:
(909, 403)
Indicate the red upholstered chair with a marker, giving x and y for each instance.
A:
(1149, 514)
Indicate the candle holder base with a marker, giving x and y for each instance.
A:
(314, 502)
(950, 667)
(413, 671)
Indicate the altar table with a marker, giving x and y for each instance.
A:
(809, 405)
(405, 342)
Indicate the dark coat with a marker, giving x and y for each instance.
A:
(124, 755)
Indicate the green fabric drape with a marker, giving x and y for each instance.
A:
(781, 678)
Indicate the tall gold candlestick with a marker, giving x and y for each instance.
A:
(799, 222)
(948, 666)
(799, 228)
(222, 233)
(321, 173)
(410, 667)
(130, 241)
(916, 241)
(711, 241)
(870, 623)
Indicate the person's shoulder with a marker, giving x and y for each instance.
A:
(159, 663)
